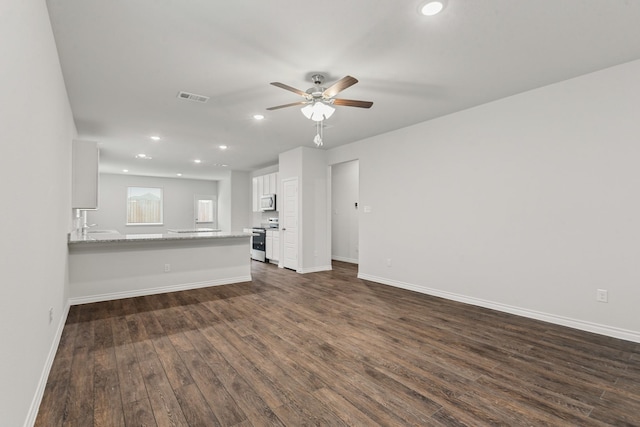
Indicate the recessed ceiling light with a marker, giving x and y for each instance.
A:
(431, 8)
(223, 147)
(141, 156)
(155, 138)
(125, 170)
(197, 161)
(178, 174)
(224, 166)
(258, 116)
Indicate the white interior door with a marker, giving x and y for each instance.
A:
(289, 220)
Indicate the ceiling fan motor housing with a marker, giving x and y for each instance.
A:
(317, 90)
(317, 79)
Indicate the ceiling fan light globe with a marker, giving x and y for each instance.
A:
(324, 109)
(318, 111)
(307, 110)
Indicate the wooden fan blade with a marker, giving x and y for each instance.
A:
(289, 88)
(339, 86)
(352, 103)
(287, 105)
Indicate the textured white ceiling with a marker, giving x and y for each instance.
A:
(124, 62)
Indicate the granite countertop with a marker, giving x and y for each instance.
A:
(192, 230)
(75, 238)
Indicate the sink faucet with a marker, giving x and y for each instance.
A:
(85, 226)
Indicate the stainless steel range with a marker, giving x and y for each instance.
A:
(258, 243)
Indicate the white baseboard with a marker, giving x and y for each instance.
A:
(159, 290)
(344, 259)
(44, 376)
(582, 325)
(315, 269)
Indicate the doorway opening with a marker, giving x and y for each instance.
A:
(205, 212)
(345, 189)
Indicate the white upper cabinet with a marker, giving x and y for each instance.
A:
(273, 182)
(264, 185)
(84, 171)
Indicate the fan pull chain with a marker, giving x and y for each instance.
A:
(319, 133)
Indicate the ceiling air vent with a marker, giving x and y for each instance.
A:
(193, 97)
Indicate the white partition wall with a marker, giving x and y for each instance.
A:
(36, 130)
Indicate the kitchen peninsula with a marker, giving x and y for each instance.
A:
(113, 266)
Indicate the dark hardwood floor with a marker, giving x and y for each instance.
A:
(330, 349)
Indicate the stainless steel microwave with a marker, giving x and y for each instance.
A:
(268, 202)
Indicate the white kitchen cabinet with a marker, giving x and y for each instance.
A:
(264, 185)
(268, 245)
(273, 183)
(272, 245)
(261, 185)
(269, 184)
(84, 171)
(276, 246)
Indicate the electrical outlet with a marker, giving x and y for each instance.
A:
(602, 295)
(167, 268)
(50, 315)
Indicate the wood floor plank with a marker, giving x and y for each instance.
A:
(195, 407)
(132, 388)
(166, 409)
(81, 379)
(345, 410)
(326, 348)
(139, 413)
(106, 394)
(175, 369)
(213, 377)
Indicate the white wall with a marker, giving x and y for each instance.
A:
(178, 202)
(241, 201)
(527, 204)
(224, 203)
(344, 213)
(265, 171)
(234, 198)
(36, 130)
(315, 224)
(309, 165)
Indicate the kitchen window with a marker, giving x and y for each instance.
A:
(144, 206)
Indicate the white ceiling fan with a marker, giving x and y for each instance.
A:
(319, 101)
